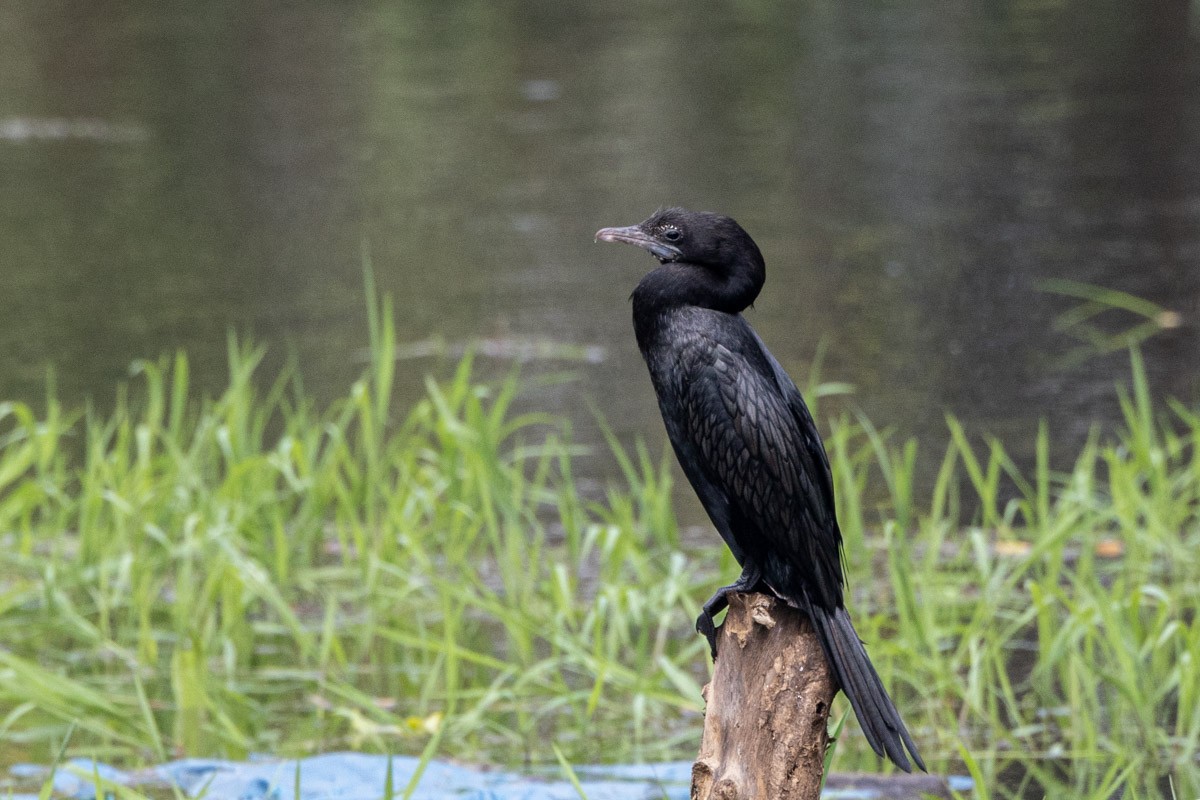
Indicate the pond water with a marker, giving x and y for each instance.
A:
(170, 171)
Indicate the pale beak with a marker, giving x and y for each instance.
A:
(634, 235)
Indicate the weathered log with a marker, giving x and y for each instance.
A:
(767, 706)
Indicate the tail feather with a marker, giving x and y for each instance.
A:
(876, 713)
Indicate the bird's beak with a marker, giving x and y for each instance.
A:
(634, 235)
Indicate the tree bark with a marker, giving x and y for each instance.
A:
(767, 706)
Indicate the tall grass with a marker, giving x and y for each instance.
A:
(1059, 629)
(248, 573)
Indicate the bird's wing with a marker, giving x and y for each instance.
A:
(822, 474)
(765, 452)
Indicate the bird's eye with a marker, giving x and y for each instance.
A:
(672, 235)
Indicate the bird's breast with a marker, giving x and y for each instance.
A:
(682, 342)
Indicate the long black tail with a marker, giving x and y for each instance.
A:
(876, 713)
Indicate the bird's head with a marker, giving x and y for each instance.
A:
(694, 237)
(726, 266)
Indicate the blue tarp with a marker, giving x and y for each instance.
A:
(354, 776)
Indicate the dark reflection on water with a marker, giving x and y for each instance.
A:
(910, 171)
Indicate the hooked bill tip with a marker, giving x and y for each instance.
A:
(611, 234)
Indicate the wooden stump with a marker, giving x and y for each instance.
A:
(767, 706)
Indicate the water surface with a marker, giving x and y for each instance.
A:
(171, 171)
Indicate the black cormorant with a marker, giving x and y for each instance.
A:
(747, 442)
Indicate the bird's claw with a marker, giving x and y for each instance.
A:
(706, 626)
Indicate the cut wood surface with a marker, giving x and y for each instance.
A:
(767, 706)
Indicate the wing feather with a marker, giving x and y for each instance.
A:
(757, 441)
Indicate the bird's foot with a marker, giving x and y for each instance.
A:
(706, 626)
(720, 601)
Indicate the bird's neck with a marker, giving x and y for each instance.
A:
(677, 284)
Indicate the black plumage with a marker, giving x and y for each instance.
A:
(747, 442)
